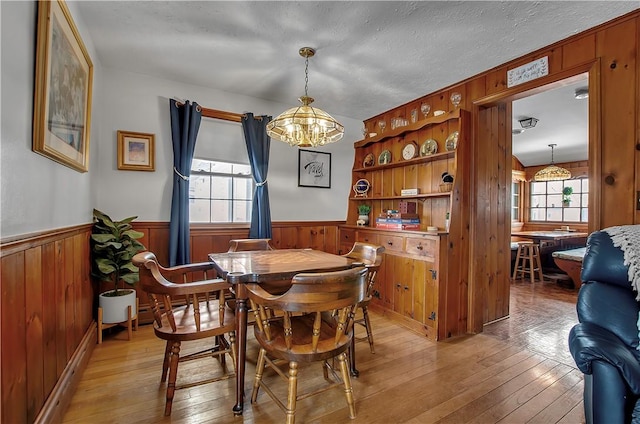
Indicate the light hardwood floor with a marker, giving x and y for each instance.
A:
(518, 370)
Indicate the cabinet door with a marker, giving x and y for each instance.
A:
(431, 300)
(419, 284)
(389, 281)
(347, 238)
(407, 281)
(403, 285)
(379, 292)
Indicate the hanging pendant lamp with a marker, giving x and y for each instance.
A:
(552, 172)
(305, 126)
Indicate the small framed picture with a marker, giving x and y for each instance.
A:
(136, 151)
(314, 169)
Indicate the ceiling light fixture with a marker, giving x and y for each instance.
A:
(552, 172)
(581, 93)
(305, 126)
(527, 123)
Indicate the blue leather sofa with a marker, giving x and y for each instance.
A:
(604, 343)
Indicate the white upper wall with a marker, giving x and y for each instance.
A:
(134, 102)
(39, 194)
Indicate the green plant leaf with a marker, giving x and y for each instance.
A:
(107, 267)
(131, 278)
(102, 238)
(133, 234)
(113, 245)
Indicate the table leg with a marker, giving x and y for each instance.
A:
(241, 340)
(352, 356)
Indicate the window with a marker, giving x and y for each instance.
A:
(515, 201)
(547, 201)
(220, 192)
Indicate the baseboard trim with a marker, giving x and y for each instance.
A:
(58, 401)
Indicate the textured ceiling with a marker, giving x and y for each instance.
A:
(371, 56)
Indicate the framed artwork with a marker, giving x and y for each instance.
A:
(64, 75)
(136, 151)
(314, 169)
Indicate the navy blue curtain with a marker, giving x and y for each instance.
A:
(258, 144)
(185, 122)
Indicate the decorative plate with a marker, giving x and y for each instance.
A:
(410, 150)
(369, 160)
(384, 158)
(429, 147)
(452, 141)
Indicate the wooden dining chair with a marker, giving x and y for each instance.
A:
(203, 316)
(370, 255)
(241, 245)
(316, 325)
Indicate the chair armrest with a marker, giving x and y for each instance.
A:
(180, 270)
(589, 342)
(195, 287)
(256, 291)
(200, 266)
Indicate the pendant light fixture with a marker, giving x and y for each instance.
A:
(552, 172)
(305, 126)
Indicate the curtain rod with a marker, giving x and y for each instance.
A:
(221, 114)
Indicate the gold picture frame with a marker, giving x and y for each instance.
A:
(64, 77)
(136, 151)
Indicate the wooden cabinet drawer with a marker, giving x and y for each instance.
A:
(423, 247)
(391, 243)
(368, 237)
(347, 236)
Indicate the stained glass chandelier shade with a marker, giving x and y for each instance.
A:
(552, 172)
(305, 126)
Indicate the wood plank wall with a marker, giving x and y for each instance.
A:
(48, 305)
(46, 308)
(610, 53)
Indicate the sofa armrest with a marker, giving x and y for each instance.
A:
(588, 342)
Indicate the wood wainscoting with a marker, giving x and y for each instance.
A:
(48, 305)
(46, 310)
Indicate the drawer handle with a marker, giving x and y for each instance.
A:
(406, 287)
(390, 243)
(366, 239)
(419, 247)
(398, 285)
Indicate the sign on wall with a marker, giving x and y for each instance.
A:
(528, 72)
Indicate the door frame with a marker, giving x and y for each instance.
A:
(478, 282)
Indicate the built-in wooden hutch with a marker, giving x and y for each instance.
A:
(423, 279)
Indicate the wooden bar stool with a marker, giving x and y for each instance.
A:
(528, 261)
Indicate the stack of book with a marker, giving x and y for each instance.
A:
(398, 221)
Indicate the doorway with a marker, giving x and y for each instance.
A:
(551, 126)
(542, 314)
(489, 289)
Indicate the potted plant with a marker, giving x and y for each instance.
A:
(363, 214)
(113, 245)
(566, 196)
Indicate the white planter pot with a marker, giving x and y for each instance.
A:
(115, 308)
